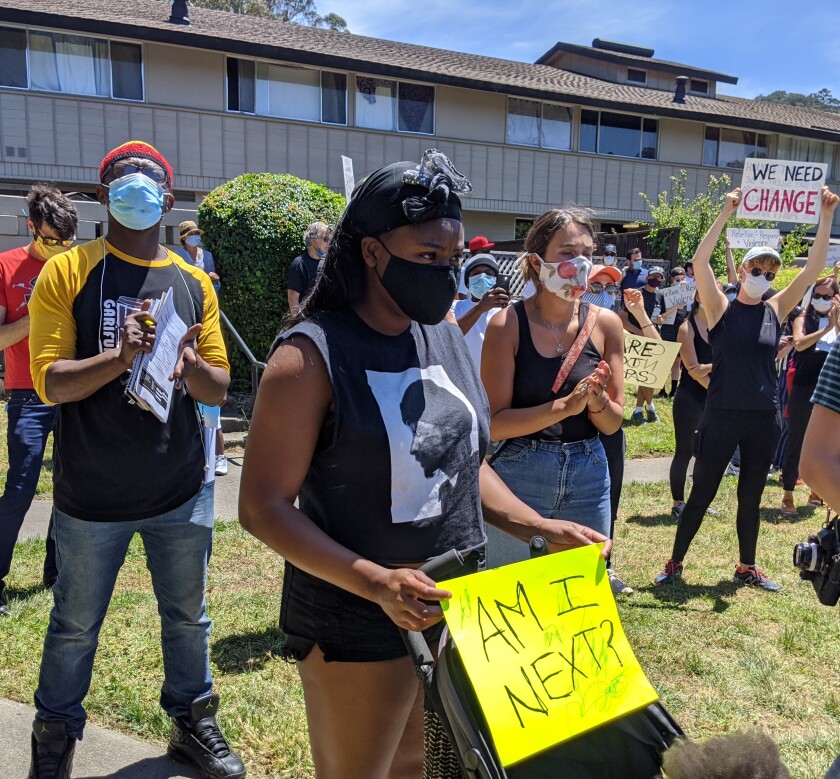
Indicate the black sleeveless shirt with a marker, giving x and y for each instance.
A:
(744, 344)
(809, 362)
(704, 357)
(395, 474)
(534, 377)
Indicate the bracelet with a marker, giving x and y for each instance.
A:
(648, 325)
(590, 412)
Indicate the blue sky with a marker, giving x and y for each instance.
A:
(768, 45)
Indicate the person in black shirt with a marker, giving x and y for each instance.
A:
(741, 404)
(635, 274)
(340, 423)
(304, 269)
(670, 331)
(654, 306)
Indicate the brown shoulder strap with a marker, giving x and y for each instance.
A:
(577, 347)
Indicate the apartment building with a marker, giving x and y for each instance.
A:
(222, 94)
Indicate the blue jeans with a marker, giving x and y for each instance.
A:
(30, 422)
(90, 554)
(559, 481)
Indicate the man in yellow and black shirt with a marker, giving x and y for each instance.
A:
(118, 469)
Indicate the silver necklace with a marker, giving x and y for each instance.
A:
(552, 328)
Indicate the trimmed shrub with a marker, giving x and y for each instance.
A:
(254, 226)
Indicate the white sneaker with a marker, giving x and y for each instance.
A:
(221, 465)
(618, 586)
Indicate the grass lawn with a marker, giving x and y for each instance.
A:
(649, 440)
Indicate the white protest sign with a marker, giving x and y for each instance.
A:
(677, 295)
(648, 361)
(833, 254)
(349, 178)
(782, 190)
(747, 237)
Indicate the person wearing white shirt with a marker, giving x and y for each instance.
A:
(485, 301)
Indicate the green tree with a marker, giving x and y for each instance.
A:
(694, 216)
(254, 226)
(295, 11)
(821, 101)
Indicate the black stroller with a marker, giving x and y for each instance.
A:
(457, 740)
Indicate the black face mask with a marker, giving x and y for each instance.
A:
(423, 293)
(654, 282)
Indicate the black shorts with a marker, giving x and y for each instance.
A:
(345, 627)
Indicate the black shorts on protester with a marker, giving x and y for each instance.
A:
(347, 628)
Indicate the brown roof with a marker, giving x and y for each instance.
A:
(252, 36)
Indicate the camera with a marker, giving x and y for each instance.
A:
(818, 560)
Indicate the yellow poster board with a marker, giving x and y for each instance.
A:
(543, 646)
(648, 361)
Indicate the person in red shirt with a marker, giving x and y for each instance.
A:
(52, 222)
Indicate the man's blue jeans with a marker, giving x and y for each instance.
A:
(90, 554)
(30, 422)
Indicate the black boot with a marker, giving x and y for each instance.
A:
(197, 739)
(52, 751)
(4, 604)
(674, 383)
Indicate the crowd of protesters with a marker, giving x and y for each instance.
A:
(401, 415)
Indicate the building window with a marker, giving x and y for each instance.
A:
(699, 86)
(532, 123)
(635, 76)
(241, 85)
(726, 148)
(382, 104)
(333, 98)
(13, 58)
(620, 135)
(127, 71)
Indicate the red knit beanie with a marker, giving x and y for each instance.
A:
(136, 149)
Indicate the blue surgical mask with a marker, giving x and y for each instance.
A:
(637, 264)
(320, 253)
(192, 240)
(730, 296)
(136, 201)
(480, 284)
(601, 299)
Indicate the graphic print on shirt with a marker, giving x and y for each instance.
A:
(427, 419)
(25, 285)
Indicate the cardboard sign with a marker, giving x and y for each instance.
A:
(648, 361)
(349, 178)
(677, 295)
(747, 237)
(782, 190)
(543, 646)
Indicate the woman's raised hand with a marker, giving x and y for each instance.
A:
(829, 200)
(732, 200)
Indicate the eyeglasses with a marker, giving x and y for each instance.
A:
(770, 275)
(120, 169)
(598, 288)
(609, 254)
(817, 296)
(47, 241)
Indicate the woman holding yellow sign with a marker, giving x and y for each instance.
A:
(741, 405)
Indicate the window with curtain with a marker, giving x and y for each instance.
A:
(416, 108)
(13, 58)
(805, 150)
(727, 148)
(69, 63)
(126, 71)
(376, 103)
(588, 140)
(241, 85)
(288, 92)
(534, 123)
(333, 98)
(556, 127)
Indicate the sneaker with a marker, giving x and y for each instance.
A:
(815, 500)
(197, 739)
(732, 470)
(712, 512)
(4, 604)
(52, 751)
(651, 415)
(221, 465)
(671, 573)
(638, 417)
(755, 578)
(618, 586)
(677, 509)
(787, 508)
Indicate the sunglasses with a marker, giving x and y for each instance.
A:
(120, 169)
(598, 288)
(65, 242)
(609, 254)
(817, 296)
(770, 275)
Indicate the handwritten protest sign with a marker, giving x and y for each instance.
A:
(677, 295)
(782, 190)
(747, 237)
(349, 178)
(833, 254)
(648, 361)
(543, 646)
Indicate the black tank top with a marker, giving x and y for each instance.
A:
(704, 357)
(809, 362)
(534, 377)
(395, 474)
(744, 344)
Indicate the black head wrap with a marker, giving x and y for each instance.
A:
(406, 193)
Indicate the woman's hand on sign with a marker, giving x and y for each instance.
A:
(562, 535)
(732, 201)
(401, 592)
(829, 200)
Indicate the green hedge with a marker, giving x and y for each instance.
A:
(254, 227)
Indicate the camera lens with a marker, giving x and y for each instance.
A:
(807, 556)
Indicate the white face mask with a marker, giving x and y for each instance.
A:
(566, 279)
(755, 286)
(609, 259)
(821, 306)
